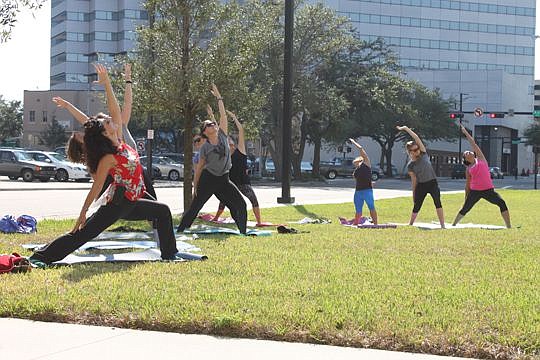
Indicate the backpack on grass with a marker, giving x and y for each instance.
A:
(14, 263)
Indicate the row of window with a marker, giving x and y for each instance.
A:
(32, 116)
(72, 78)
(82, 58)
(96, 35)
(452, 45)
(437, 24)
(461, 5)
(459, 65)
(99, 15)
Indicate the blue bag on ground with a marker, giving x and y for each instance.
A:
(8, 224)
(24, 224)
(27, 224)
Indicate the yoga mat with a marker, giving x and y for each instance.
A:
(207, 229)
(210, 217)
(139, 256)
(365, 224)
(119, 245)
(436, 226)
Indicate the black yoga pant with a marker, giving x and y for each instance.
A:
(225, 191)
(422, 189)
(248, 192)
(475, 195)
(107, 215)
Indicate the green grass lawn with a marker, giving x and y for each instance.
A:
(466, 292)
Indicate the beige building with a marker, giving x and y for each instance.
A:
(39, 112)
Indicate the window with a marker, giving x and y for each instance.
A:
(32, 116)
(44, 116)
(58, 39)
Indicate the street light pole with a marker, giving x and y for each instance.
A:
(460, 118)
(287, 106)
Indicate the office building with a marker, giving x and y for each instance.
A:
(481, 49)
(86, 31)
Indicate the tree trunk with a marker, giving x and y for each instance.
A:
(317, 157)
(188, 112)
(188, 156)
(388, 156)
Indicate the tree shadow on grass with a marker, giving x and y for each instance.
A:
(302, 210)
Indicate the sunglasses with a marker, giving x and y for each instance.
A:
(210, 124)
(197, 140)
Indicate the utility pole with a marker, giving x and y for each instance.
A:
(287, 106)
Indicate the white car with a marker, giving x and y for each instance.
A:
(65, 169)
(169, 169)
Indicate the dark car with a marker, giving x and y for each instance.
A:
(458, 171)
(496, 172)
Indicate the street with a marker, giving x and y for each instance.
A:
(64, 200)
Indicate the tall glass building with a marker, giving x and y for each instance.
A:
(481, 51)
(85, 31)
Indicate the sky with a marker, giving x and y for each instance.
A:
(25, 58)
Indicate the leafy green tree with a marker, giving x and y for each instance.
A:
(532, 133)
(11, 119)
(398, 101)
(9, 9)
(319, 34)
(54, 135)
(192, 44)
(349, 77)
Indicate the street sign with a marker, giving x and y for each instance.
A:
(516, 141)
(478, 112)
(536, 113)
(150, 134)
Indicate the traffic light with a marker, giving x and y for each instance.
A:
(456, 115)
(496, 115)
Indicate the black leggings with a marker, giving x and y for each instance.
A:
(422, 189)
(107, 215)
(475, 195)
(248, 192)
(225, 191)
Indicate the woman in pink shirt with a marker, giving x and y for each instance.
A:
(479, 184)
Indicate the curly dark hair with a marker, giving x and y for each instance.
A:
(75, 150)
(96, 145)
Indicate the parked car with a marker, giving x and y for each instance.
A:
(343, 167)
(169, 169)
(18, 163)
(177, 158)
(65, 169)
(156, 173)
(458, 171)
(61, 150)
(383, 171)
(496, 172)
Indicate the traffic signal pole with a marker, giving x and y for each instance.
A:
(460, 118)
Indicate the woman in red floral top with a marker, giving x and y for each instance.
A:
(105, 153)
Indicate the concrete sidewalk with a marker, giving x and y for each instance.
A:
(26, 339)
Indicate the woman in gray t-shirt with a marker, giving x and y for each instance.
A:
(212, 172)
(423, 178)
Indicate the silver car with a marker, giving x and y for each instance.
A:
(169, 169)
